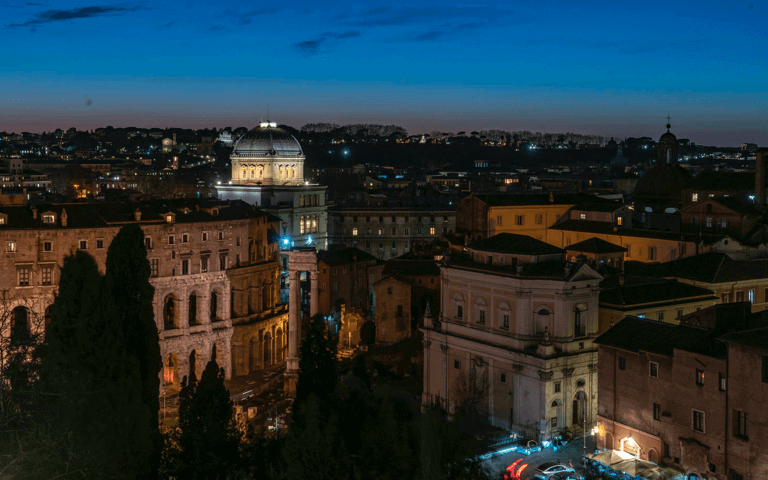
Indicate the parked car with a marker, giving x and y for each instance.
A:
(566, 476)
(545, 471)
(526, 447)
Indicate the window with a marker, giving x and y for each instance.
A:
(24, 277)
(709, 222)
(457, 364)
(49, 218)
(661, 316)
(583, 216)
(740, 296)
(498, 220)
(10, 247)
(46, 276)
(223, 261)
(370, 279)
(727, 298)
(184, 238)
(579, 327)
(100, 243)
(481, 317)
(335, 287)
(505, 321)
(354, 231)
(381, 231)
(656, 411)
(721, 383)
(148, 243)
(431, 230)
(407, 231)
(695, 197)
(154, 265)
(459, 311)
(47, 246)
(557, 387)
(205, 236)
(751, 296)
(419, 231)
(765, 370)
(503, 378)
(221, 235)
(619, 220)
(83, 244)
(698, 421)
(651, 253)
(185, 267)
(699, 377)
(519, 219)
(680, 313)
(653, 369)
(741, 424)
(539, 219)
(203, 264)
(723, 223)
(170, 240)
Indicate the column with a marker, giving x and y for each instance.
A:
(314, 300)
(294, 322)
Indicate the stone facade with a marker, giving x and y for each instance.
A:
(194, 249)
(393, 316)
(528, 331)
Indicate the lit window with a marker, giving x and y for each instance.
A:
(431, 230)
(49, 218)
(354, 231)
(695, 197)
(699, 377)
(10, 247)
(583, 216)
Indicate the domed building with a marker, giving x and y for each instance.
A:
(267, 155)
(268, 171)
(657, 193)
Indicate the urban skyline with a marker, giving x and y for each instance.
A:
(551, 67)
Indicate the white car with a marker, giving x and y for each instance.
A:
(545, 471)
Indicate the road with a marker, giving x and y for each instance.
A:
(571, 452)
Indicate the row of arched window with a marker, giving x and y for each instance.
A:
(171, 310)
(308, 224)
(542, 316)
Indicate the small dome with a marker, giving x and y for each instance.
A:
(267, 140)
(668, 138)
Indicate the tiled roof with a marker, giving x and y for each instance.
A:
(727, 181)
(712, 268)
(629, 296)
(757, 338)
(504, 200)
(737, 205)
(637, 334)
(595, 245)
(515, 244)
(605, 228)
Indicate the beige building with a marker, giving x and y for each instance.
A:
(520, 316)
(213, 270)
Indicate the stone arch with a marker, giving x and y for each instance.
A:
(213, 309)
(279, 345)
(543, 314)
(253, 354)
(192, 307)
(653, 456)
(171, 373)
(170, 312)
(20, 331)
(267, 349)
(556, 415)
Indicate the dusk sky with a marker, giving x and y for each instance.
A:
(606, 68)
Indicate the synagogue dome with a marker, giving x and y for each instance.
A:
(267, 140)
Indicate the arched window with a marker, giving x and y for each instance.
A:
(244, 175)
(579, 326)
(480, 311)
(214, 312)
(170, 319)
(192, 309)
(458, 307)
(556, 414)
(542, 320)
(20, 333)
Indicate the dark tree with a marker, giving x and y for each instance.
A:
(89, 416)
(318, 373)
(209, 439)
(127, 278)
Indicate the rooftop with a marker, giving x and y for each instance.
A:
(595, 245)
(515, 244)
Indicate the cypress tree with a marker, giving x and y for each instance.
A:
(89, 408)
(318, 372)
(127, 278)
(209, 440)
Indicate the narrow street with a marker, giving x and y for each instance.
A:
(572, 452)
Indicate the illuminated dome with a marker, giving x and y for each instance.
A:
(267, 140)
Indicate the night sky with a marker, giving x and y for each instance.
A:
(607, 68)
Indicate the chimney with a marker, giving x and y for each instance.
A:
(137, 214)
(760, 179)
(63, 217)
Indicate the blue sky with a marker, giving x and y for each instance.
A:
(610, 68)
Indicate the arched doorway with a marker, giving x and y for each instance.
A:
(279, 345)
(653, 456)
(608, 441)
(170, 320)
(579, 408)
(267, 349)
(253, 355)
(19, 326)
(214, 311)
